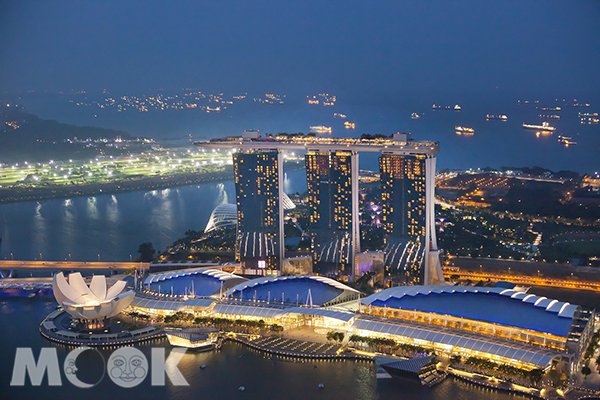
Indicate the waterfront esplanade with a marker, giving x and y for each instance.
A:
(397, 144)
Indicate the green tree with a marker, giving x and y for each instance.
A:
(146, 251)
(585, 370)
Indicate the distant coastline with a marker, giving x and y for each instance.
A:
(16, 195)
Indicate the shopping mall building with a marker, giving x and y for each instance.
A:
(499, 324)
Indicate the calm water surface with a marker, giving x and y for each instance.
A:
(263, 376)
(110, 227)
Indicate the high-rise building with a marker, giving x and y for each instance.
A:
(259, 240)
(408, 175)
(403, 193)
(333, 210)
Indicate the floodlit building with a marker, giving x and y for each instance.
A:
(404, 209)
(333, 208)
(332, 173)
(524, 330)
(192, 282)
(92, 304)
(259, 241)
(223, 216)
(305, 290)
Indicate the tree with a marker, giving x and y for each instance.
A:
(585, 370)
(536, 375)
(146, 251)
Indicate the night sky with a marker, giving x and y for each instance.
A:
(355, 48)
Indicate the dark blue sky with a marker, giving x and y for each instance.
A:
(374, 47)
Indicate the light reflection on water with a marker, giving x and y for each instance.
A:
(112, 225)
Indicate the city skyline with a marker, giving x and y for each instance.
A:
(338, 200)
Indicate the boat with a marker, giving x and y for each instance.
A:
(589, 118)
(321, 129)
(549, 108)
(545, 126)
(550, 116)
(499, 117)
(464, 130)
(436, 107)
(340, 115)
(415, 116)
(566, 140)
(349, 125)
(199, 339)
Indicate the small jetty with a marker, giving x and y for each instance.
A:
(199, 339)
(420, 369)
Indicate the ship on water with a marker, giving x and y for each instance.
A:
(321, 129)
(415, 115)
(340, 115)
(549, 116)
(349, 125)
(589, 118)
(464, 130)
(549, 108)
(499, 117)
(566, 141)
(545, 126)
(437, 107)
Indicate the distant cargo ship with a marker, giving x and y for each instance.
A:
(499, 117)
(545, 126)
(589, 118)
(415, 116)
(549, 108)
(438, 107)
(339, 115)
(550, 116)
(321, 129)
(566, 140)
(349, 125)
(463, 130)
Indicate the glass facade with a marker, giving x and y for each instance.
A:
(329, 181)
(403, 193)
(257, 198)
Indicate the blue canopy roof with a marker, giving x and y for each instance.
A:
(511, 308)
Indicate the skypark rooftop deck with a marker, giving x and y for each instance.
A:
(398, 143)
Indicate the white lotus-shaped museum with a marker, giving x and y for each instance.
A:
(93, 302)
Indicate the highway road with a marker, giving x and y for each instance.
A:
(71, 265)
(523, 279)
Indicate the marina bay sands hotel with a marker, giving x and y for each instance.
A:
(407, 172)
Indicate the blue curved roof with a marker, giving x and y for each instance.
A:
(290, 290)
(202, 281)
(509, 307)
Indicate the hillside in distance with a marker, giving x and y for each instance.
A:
(26, 137)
